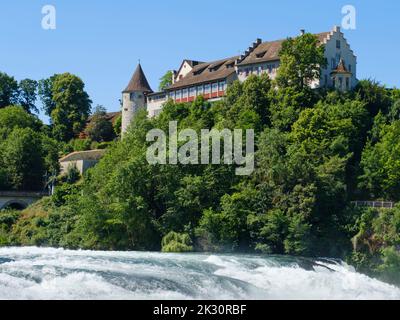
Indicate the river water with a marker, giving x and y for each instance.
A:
(57, 274)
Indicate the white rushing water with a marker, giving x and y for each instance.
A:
(39, 273)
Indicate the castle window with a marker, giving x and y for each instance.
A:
(340, 82)
(222, 86)
(185, 93)
(347, 83)
(200, 90)
(338, 56)
(192, 92)
(207, 88)
(215, 87)
(326, 80)
(333, 63)
(132, 96)
(338, 44)
(179, 94)
(350, 67)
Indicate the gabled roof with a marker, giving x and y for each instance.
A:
(206, 72)
(269, 51)
(138, 82)
(192, 63)
(84, 155)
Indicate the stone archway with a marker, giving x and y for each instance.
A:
(15, 205)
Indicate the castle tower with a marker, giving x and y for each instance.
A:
(341, 77)
(134, 97)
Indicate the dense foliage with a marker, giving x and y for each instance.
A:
(100, 129)
(316, 152)
(29, 149)
(26, 152)
(67, 103)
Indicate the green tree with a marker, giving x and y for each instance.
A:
(166, 80)
(8, 90)
(16, 117)
(100, 129)
(380, 164)
(376, 96)
(117, 126)
(301, 61)
(66, 101)
(28, 94)
(248, 103)
(45, 90)
(22, 158)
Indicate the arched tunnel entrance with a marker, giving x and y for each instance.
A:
(15, 205)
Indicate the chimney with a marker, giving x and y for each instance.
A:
(336, 29)
(302, 32)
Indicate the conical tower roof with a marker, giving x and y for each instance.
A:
(138, 82)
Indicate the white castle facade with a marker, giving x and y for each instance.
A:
(210, 79)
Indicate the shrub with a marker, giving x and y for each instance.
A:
(176, 242)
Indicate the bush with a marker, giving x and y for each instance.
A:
(103, 145)
(80, 145)
(390, 268)
(176, 242)
(72, 175)
(7, 219)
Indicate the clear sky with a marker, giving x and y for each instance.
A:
(101, 41)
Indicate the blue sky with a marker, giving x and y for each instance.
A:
(101, 41)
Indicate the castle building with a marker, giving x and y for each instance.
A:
(134, 97)
(211, 79)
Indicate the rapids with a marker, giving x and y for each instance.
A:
(57, 274)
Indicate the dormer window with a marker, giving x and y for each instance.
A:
(215, 67)
(261, 54)
(199, 71)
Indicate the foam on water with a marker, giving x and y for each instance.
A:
(41, 273)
